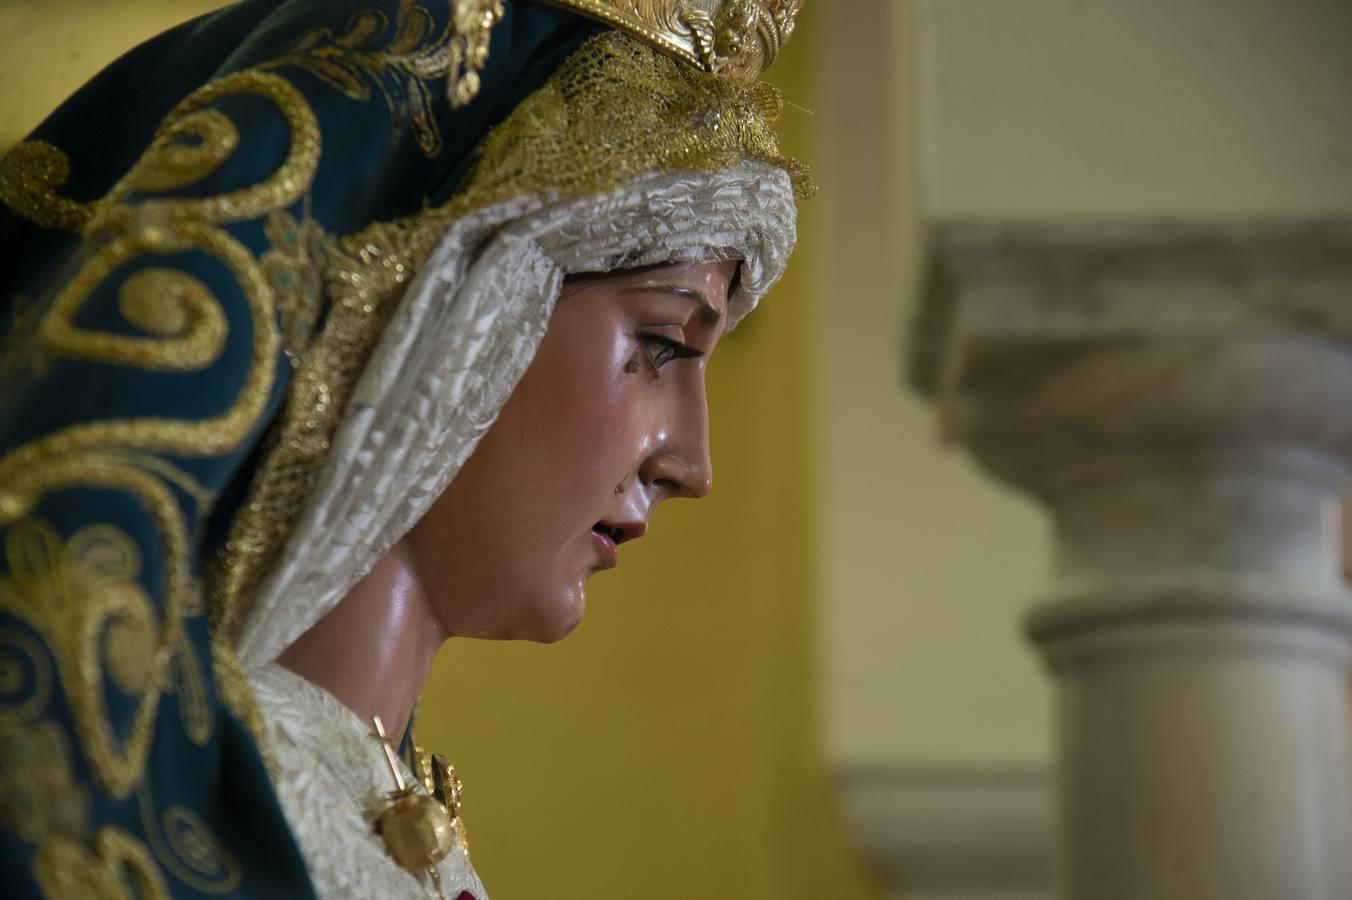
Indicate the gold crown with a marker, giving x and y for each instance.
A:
(736, 38)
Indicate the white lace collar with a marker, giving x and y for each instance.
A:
(332, 780)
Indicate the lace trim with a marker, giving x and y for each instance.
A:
(332, 781)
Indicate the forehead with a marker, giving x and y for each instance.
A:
(711, 280)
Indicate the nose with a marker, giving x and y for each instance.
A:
(679, 464)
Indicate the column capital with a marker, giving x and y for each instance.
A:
(1050, 348)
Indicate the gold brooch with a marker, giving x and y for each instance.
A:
(419, 830)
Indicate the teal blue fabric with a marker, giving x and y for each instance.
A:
(203, 811)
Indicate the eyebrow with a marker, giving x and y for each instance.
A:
(708, 313)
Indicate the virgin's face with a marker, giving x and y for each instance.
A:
(609, 420)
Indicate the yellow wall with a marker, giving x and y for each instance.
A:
(926, 564)
(669, 748)
(48, 48)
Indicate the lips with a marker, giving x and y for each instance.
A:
(605, 544)
(609, 535)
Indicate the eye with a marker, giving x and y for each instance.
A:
(659, 350)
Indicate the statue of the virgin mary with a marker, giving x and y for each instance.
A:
(333, 329)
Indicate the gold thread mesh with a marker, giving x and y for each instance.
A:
(616, 110)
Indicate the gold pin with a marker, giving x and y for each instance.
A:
(418, 831)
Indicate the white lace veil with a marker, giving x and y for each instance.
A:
(462, 336)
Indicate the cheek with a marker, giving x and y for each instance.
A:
(583, 396)
(591, 423)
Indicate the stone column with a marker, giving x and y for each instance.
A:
(1180, 398)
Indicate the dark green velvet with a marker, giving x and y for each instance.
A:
(370, 169)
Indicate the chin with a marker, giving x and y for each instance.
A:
(558, 617)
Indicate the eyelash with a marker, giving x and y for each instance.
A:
(671, 351)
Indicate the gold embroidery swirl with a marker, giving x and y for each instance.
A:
(83, 596)
(168, 162)
(65, 869)
(214, 435)
(31, 172)
(184, 151)
(187, 847)
(25, 678)
(181, 312)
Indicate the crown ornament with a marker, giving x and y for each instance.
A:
(733, 38)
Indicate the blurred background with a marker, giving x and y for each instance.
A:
(777, 685)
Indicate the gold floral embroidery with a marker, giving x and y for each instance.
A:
(30, 175)
(355, 60)
(187, 847)
(39, 797)
(294, 268)
(64, 868)
(82, 597)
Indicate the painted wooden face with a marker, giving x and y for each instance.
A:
(609, 420)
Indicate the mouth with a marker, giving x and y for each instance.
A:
(605, 544)
(609, 536)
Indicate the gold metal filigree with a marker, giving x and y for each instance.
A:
(473, 21)
(439, 779)
(418, 830)
(733, 38)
